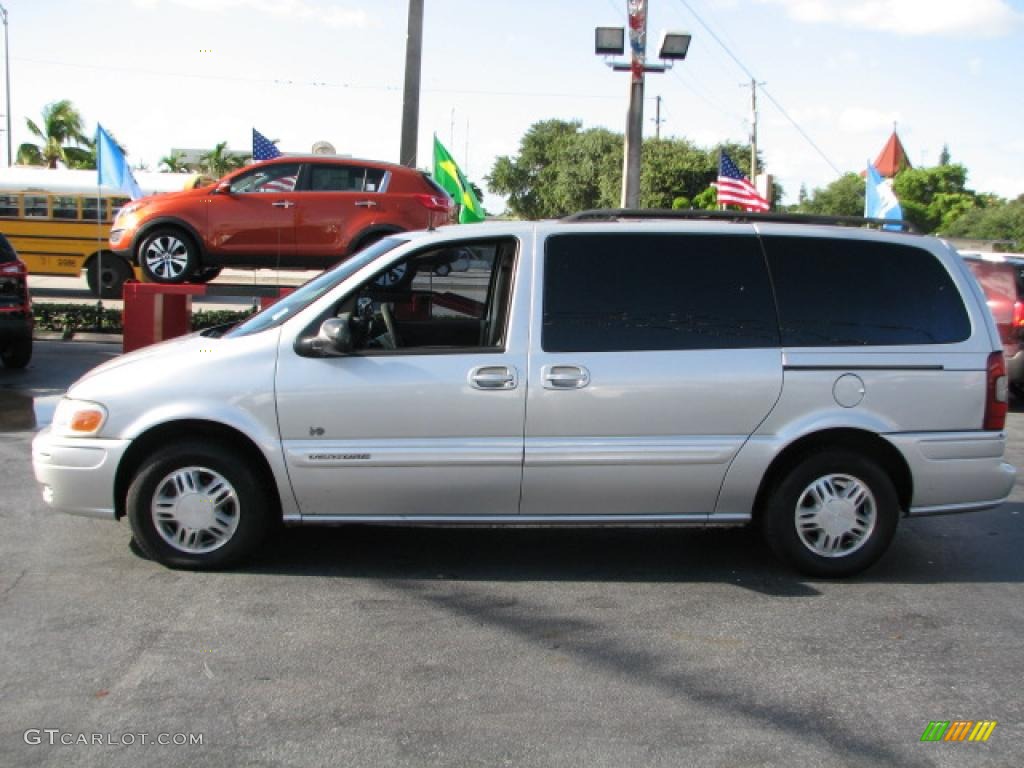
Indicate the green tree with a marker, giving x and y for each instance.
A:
(932, 198)
(529, 179)
(173, 162)
(219, 161)
(998, 220)
(61, 138)
(843, 197)
(561, 169)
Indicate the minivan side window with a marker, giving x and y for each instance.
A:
(446, 299)
(618, 292)
(839, 292)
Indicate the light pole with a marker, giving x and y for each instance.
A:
(611, 41)
(7, 90)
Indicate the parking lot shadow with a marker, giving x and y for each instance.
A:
(532, 554)
(981, 547)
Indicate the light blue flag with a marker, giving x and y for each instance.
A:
(112, 167)
(879, 199)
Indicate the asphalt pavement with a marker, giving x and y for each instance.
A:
(410, 647)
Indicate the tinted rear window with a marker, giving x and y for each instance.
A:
(834, 292)
(609, 292)
(7, 252)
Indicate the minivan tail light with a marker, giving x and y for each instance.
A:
(997, 396)
(434, 203)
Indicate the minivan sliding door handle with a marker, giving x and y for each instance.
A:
(564, 376)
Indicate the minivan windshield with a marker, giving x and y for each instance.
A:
(277, 313)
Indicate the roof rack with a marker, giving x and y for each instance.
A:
(618, 214)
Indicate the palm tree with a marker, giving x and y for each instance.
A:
(220, 160)
(173, 163)
(62, 124)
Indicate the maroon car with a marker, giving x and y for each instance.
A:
(15, 309)
(1001, 277)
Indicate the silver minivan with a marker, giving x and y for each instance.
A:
(820, 382)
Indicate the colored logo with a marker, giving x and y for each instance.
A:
(958, 730)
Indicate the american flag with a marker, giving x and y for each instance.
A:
(280, 184)
(262, 147)
(735, 189)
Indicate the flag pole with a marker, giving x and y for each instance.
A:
(99, 230)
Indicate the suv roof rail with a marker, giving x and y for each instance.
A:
(617, 214)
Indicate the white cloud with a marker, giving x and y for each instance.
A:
(331, 15)
(975, 66)
(866, 120)
(963, 18)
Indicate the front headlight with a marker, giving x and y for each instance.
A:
(78, 418)
(126, 211)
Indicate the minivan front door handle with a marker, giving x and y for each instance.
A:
(493, 377)
(366, 204)
(283, 204)
(564, 376)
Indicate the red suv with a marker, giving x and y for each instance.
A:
(1001, 277)
(15, 309)
(289, 212)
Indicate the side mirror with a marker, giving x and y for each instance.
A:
(336, 331)
(223, 188)
(333, 340)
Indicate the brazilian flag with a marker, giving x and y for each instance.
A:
(448, 175)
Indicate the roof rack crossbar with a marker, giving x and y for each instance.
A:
(615, 214)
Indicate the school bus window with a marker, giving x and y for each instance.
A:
(36, 205)
(8, 205)
(89, 208)
(65, 207)
(117, 203)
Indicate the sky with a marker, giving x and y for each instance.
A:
(190, 73)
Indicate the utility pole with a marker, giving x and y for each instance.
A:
(635, 115)
(411, 97)
(657, 117)
(753, 127)
(7, 91)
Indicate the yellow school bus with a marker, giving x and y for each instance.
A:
(59, 221)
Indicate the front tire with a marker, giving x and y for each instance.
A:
(198, 506)
(168, 255)
(834, 514)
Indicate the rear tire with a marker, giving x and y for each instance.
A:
(198, 506)
(834, 514)
(17, 353)
(112, 279)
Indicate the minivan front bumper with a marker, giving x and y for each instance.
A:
(77, 474)
(956, 471)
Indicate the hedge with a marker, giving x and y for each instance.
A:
(71, 318)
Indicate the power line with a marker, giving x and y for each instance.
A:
(314, 83)
(765, 91)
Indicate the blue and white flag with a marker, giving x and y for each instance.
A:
(879, 199)
(262, 147)
(112, 166)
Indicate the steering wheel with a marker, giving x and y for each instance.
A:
(391, 340)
